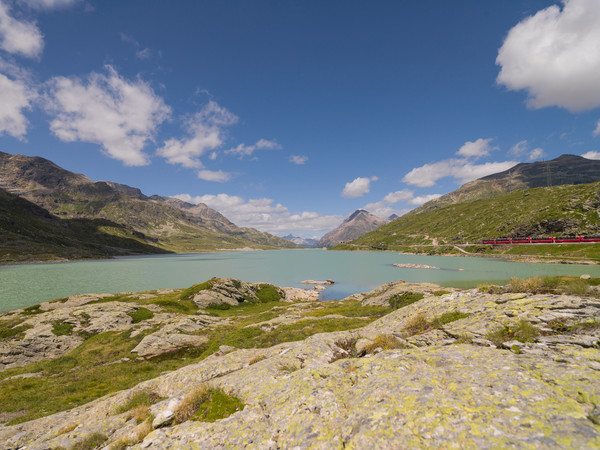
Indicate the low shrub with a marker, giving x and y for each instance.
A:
(18, 331)
(140, 314)
(267, 293)
(346, 348)
(220, 306)
(440, 293)
(405, 299)
(31, 310)
(60, 328)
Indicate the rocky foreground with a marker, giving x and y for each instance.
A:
(410, 366)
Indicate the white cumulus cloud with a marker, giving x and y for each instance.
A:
(475, 150)
(554, 55)
(205, 131)
(358, 187)
(460, 169)
(384, 207)
(418, 201)
(536, 153)
(298, 159)
(106, 109)
(265, 215)
(591, 155)
(214, 175)
(597, 130)
(18, 37)
(16, 97)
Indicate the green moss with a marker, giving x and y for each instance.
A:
(141, 314)
(60, 328)
(405, 299)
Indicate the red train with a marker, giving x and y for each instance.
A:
(541, 240)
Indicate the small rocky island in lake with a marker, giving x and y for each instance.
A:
(230, 364)
(415, 266)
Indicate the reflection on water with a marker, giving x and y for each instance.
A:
(28, 284)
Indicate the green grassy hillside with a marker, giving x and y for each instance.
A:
(541, 211)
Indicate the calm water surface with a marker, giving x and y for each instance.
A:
(28, 284)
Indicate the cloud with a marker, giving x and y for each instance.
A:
(49, 4)
(108, 110)
(384, 209)
(597, 130)
(17, 37)
(460, 169)
(247, 150)
(211, 175)
(418, 201)
(521, 148)
(298, 159)
(143, 54)
(264, 214)
(16, 97)
(205, 131)
(536, 153)
(591, 155)
(475, 150)
(555, 56)
(357, 188)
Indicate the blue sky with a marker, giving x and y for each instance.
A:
(287, 116)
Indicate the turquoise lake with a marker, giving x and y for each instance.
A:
(28, 284)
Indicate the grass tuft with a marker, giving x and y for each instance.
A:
(206, 404)
(93, 441)
(383, 342)
(142, 398)
(522, 331)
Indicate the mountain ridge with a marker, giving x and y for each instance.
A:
(161, 222)
(565, 169)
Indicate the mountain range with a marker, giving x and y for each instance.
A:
(507, 204)
(77, 217)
